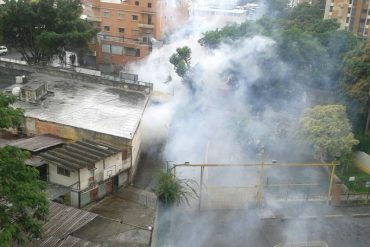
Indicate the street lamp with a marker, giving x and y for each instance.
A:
(150, 228)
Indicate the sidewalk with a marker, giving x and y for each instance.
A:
(108, 231)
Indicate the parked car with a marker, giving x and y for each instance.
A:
(3, 50)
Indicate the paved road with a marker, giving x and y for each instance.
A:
(338, 227)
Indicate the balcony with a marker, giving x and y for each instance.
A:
(94, 18)
(144, 25)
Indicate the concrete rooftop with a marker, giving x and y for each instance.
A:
(91, 106)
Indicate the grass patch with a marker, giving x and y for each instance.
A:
(360, 179)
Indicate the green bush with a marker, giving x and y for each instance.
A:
(172, 190)
(364, 145)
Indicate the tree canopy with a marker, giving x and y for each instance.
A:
(23, 202)
(181, 60)
(44, 28)
(313, 50)
(328, 129)
(9, 117)
(356, 74)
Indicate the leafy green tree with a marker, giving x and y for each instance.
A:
(174, 191)
(44, 28)
(181, 60)
(356, 74)
(328, 129)
(9, 117)
(23, 202)
(277, 7)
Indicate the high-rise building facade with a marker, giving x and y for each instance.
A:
(129, 28)
(353, 15)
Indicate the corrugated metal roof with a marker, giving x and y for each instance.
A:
(63, 221)
(80, 154)
(38, 143)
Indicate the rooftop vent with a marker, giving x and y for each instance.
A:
(33, 91)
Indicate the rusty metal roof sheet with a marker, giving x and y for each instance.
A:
(38, 143)
(63, 221)
(80, 154)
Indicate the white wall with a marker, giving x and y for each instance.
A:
(55, 178)
(85, 174)
(112, 166)
(136, 148)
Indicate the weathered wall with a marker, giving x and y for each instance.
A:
(85, 174)
(136, 150)
(55, 178)
(5, 66)
(38, 127)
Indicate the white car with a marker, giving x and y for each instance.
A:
(3, 50)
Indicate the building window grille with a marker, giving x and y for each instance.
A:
(135, 17)
(62, 171)
(107, 28)
(121, 30)
(106, 13)
(121, 15)
(149, 5)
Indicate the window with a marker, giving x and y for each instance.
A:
(347, 20)
(331, 9)
(128, 51)
(106, 48)
(149, 19)
(121, 30)
(121, 15)
(106, 13)
(349, 10)
(107, 28)
(135, 17)
(137, 3)
(117, 50)
(63, 171)
(149, 5)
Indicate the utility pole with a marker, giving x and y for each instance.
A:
(368, 113)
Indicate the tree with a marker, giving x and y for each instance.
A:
(44, 28)
(181, 60)
(327, 128)
(172, 190)
(356, 74)
(23, 202)
(9, 117)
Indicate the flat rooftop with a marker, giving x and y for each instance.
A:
(90, 106)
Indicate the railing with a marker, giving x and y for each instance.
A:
(13, 60)
(91, 72)
(102, 37)
(145, 25)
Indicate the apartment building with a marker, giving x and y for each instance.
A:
(130, 28)
(353, 15)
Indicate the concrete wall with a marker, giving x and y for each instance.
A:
(38, 127)
(136, 150)
(5, 66)
(55, 178)
(85, 174)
